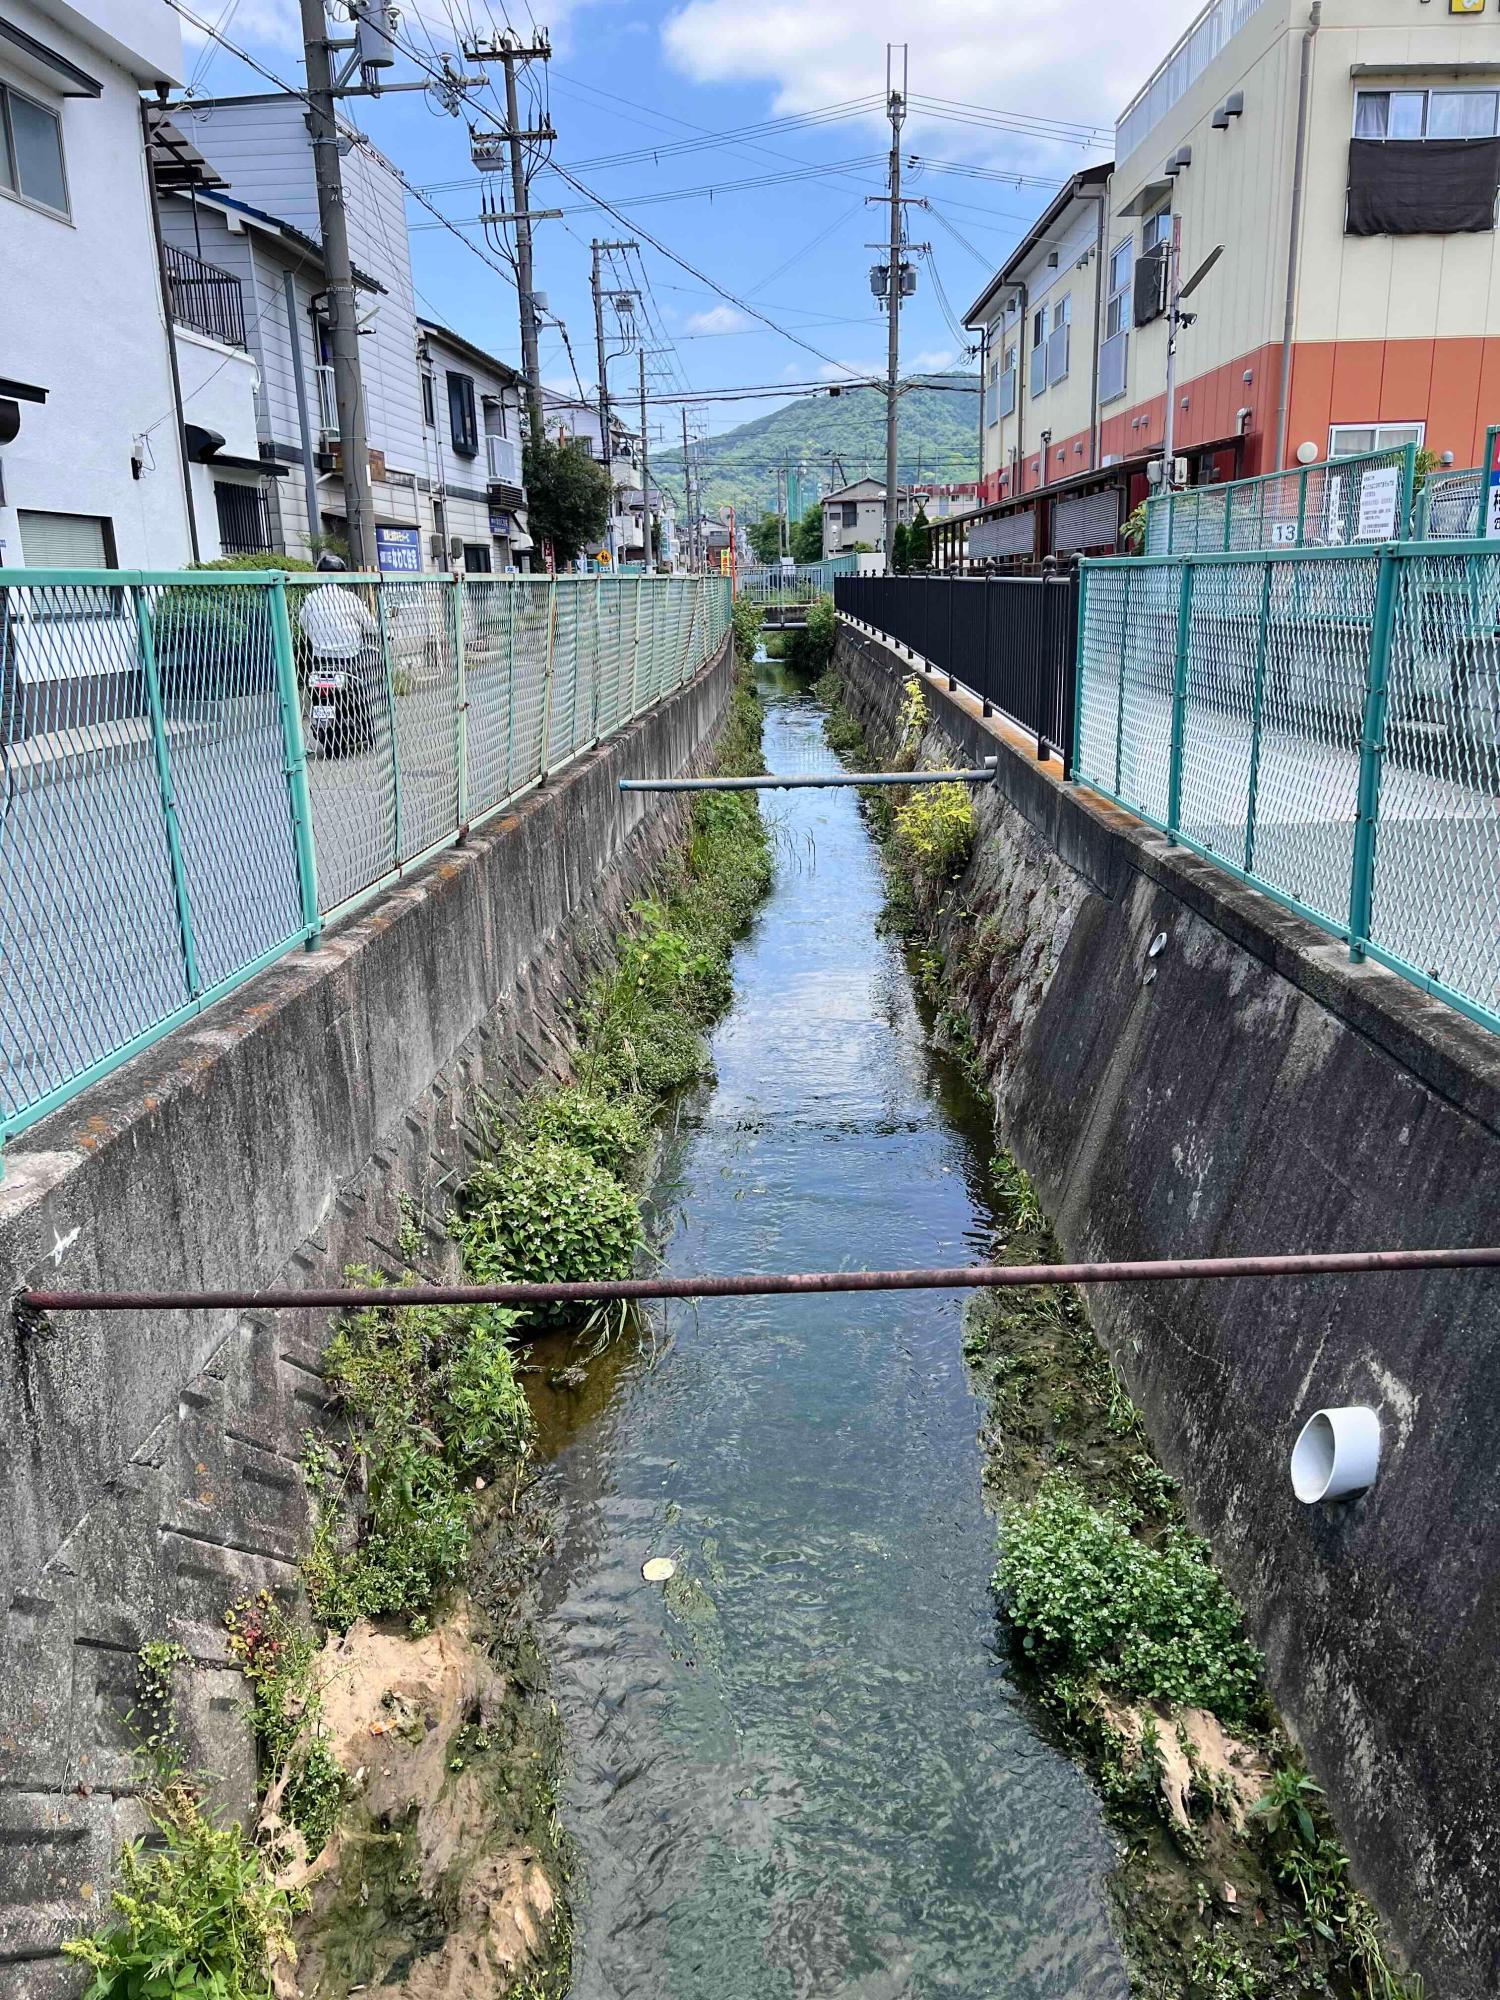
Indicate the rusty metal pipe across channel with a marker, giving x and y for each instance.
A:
(963, 1277)
(772, 783)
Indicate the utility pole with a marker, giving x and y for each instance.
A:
(1174, 303)
(896, 108)
(646, 555)
(605, 440)
(343, 325)
(512, 54)
(687, 500)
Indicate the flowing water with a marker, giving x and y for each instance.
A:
(801, 1769)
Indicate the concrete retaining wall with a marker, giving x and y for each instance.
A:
(149, 1473)
(1247, 1089)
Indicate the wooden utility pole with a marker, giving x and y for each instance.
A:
(647, 558)
(512, 54)
(896, 110)
(343, 324)
(606, 442)
(687, 496)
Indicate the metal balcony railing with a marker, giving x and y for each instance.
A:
(204, 297)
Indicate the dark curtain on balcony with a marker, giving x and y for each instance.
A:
(1422, 187)
(1150, 299)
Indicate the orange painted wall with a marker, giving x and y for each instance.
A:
(1453, 386)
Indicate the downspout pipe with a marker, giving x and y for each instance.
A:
(1022, 378)
(1099, 195)
(184, 462)
(1294, 233)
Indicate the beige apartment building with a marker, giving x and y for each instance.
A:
(1339, 162)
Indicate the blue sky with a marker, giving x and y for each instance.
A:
(626, 79)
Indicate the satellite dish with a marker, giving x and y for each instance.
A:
(1202, 271)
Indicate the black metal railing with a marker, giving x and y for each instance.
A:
(205, 298)
(1012, 640)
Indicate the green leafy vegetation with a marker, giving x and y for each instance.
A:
(196, 1916)
(278, 1658)
(197, 1912)
(806, 537)
(544, 1212)
(919, 541)
(567, 496)
(901, 549)
(764, 537)
(429, 1399)
(747, 617)
(934, 829)
(1153, 1621)
(809, 648)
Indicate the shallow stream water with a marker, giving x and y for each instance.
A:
(801, 1771)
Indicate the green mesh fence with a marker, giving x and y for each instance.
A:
(200, 770)
(1325, 725)
(1334, 505)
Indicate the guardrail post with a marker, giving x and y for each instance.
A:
(460, 702)
(388, 670)
(1257, 705)
(987, 680)
(299, 795)
(1074, 730)
(546, 755)
(152, 677)
(1372, 755)
(1179, 697)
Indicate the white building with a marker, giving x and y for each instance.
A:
(570, 417)
(261, 146)
(90, 448)
(856, 513)
(471, 410)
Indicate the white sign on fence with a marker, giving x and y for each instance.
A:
(1283, 534)
(1379, 491)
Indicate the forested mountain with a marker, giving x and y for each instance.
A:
(834, 439)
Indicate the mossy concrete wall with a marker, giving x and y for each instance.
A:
(1248, 1089)
(149, 1471)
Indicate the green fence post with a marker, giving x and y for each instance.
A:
(1130, 576)
(1401, 526)
(1073, 753)
(389, 674)
(299, 794)
(1179, 698)
(460, 702)
(547, 683)
(635, 656)
(1371, 755)
(513, 590)
(1257, 703)
(147, 638)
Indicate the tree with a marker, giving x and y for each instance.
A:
(901, 549)
(567, 496)
(919, 542)
(765, 538)
(807, 535)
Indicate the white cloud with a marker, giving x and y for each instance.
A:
(718, 319)
(1081, 64)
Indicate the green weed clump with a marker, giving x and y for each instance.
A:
(934, 829)
(278, 1659)
(546, 1213)
(430, 1398)
(1153, 1621)
(197, 1914)
(746, 618)
(808, 649)
(608, 1131)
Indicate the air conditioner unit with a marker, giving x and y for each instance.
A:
(436, 547)
(456, 547)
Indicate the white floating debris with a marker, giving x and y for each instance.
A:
(658, 1569)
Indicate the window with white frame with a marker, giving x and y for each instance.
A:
(1350, 440)
(1058, 341)
(31, 151)
(1426, 114)
(1117, 316)
(1156, 229)
(1008, 381)
(1038, 350)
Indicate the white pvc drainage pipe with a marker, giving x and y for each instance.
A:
(1337, 1453)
